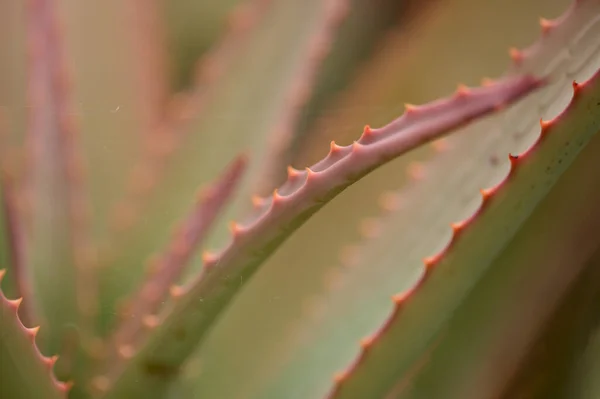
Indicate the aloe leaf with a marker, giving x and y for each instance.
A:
(148, 39)
(422, 313)
(359, 33)
(12, 240)
(59, 241)
(185, 322)
(25, 373)
(167, 267)
(320, 337)
(249, 81)
(107, 73)
(13, 68)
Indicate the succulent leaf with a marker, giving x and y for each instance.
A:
(166, 268)
(349, 308)
(449, 277)
(59, 240)
(255, 64)
(492, 289)
(12, 240)
(275, 218)
(24, 372)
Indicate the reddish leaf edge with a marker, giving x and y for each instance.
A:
(276, 217)
(47, 362)
(402, 299)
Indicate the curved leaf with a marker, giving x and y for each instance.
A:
(25, 373)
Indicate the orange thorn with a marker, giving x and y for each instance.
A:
(32, 332)
(309, 173)
(292, 173)
(457, 227)
(410, 108)
(545, 125)
(340, 376)
(277, 196)
(15, 303)
(65, 386)
(366, 342)
(486, 194)
(430, 261)
(235, 228)
(150, 321)
(176, 291)
(2, 274)
(367, 130)
(576, 86)
(400, 297)
(208, 257)
(50, 361)
(462, 90)
(333, 147)
(516, 55)
(546, 25)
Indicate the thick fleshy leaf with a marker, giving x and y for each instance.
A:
(320, 338)
(250, 79)
(194, 309)
(166, 268)
(24, 372)
(108, 77)
(357, 38)
(517, 238)
(12, 240)
(58, 239)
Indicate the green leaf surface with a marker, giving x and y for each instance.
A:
(356, 302)
(195, 308)
(404, 68)
(24, 372)
(508, 237)
(52, 179)
(250, 80)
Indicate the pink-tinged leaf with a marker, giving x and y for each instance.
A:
(24, 372)
(166, 268)
(246, 93)
(194, 309)
(60, 254)
(148, 37)
(520, 237)
(14, 231)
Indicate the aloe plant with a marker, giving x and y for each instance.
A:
(162, 236)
